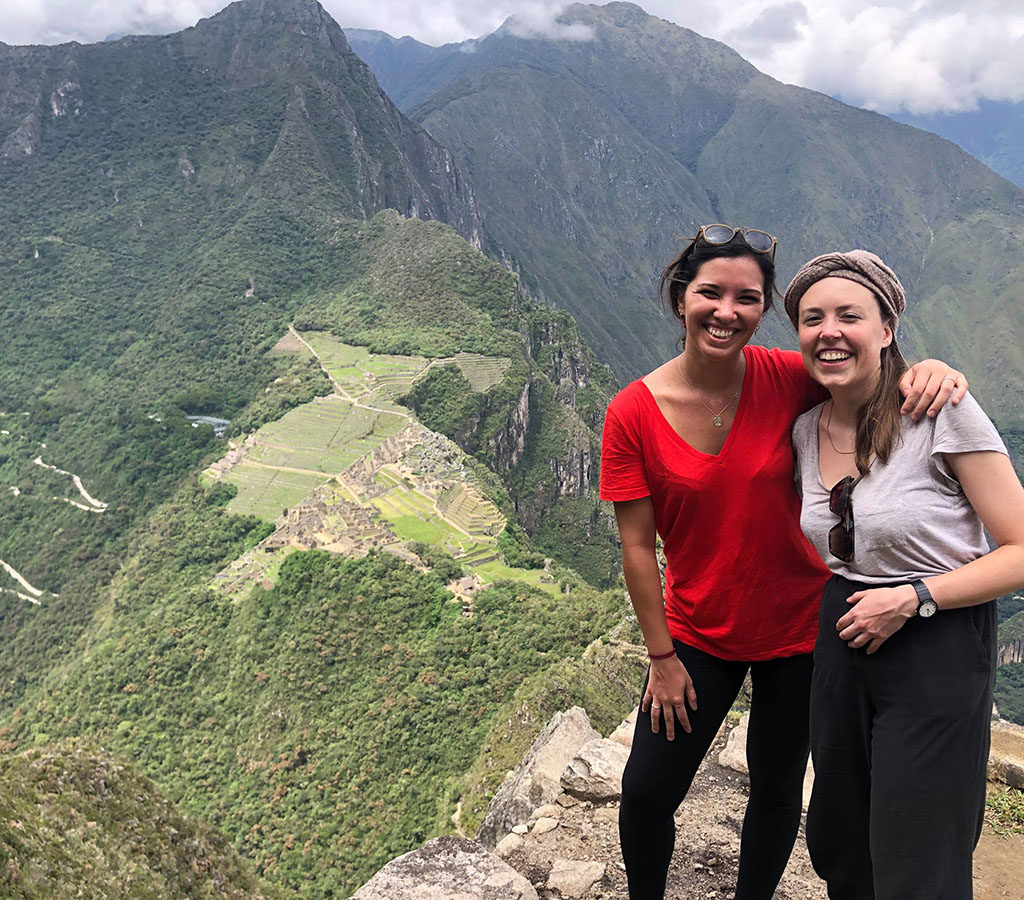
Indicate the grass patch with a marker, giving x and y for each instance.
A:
(266, 493)
(324, 436)
(1004, 810)
(351, 365)
(413, 528)
(497, 571)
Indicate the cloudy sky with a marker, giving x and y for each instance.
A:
(922, 56)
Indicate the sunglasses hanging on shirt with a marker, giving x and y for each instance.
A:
(840, 503)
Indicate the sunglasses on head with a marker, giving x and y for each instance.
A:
(757, 240)
(840, 503)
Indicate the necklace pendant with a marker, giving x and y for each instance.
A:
(717, 421)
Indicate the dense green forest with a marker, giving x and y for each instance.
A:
(379, 691)
(326, 724)
(153, 250)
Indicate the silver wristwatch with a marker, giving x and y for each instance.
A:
(926, 605)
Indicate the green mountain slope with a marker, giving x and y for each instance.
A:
(994, 133)
(184, 198)
(235, 222)
(593, 160)
(77, 823)
(324, 724)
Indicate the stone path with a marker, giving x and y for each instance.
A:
(33, 594)
(94, 504)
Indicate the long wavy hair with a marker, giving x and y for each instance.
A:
(878, 420)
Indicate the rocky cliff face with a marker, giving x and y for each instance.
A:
(1011, 651)
(548, 448)
(510, 442)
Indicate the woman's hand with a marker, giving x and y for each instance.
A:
(927, 387)
(669, 688)
(876, 616)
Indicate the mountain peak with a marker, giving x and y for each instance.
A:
(303, 17)
(623, 13)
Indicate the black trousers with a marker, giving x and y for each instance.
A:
(659, 772)
(900, 745)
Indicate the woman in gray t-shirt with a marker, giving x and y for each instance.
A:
(905, 657)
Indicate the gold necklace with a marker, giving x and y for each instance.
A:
(828, 432)
(716, 417)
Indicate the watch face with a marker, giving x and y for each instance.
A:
(927, 608)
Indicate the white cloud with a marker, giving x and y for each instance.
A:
(87, 21)
(540, 20)
(456, 20)
(773, 25)
(919, 55)
(438, 22)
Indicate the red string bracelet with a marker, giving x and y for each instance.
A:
(661, 655)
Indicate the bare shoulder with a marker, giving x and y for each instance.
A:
(663, 381)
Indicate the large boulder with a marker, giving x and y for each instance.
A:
(447, 868)
(595, 772)
(537, 780)
(1006, 758)
(734, 753)
(624, 733)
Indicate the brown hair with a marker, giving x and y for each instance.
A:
(878, 420)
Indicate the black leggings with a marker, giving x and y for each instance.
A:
(659, 772)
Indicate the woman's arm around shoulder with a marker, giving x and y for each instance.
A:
(927, 386)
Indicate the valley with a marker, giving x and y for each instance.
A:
(302, 406)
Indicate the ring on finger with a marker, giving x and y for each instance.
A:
(949, 378)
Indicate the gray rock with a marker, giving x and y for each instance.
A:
(734, 754)
(574, 879)
(544, 825)
(536, 781)
(508, 845)
(624, 733)
(447, 868)
(595, 772)
(1006, 756)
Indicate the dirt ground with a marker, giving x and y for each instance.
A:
(999, 866)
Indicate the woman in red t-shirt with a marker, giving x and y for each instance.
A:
(698, 452)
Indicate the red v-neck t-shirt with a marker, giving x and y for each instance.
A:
(742, 582)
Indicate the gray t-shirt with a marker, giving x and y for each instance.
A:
(911, 517)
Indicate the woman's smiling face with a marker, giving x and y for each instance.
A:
(842, 334)
(723, 305)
